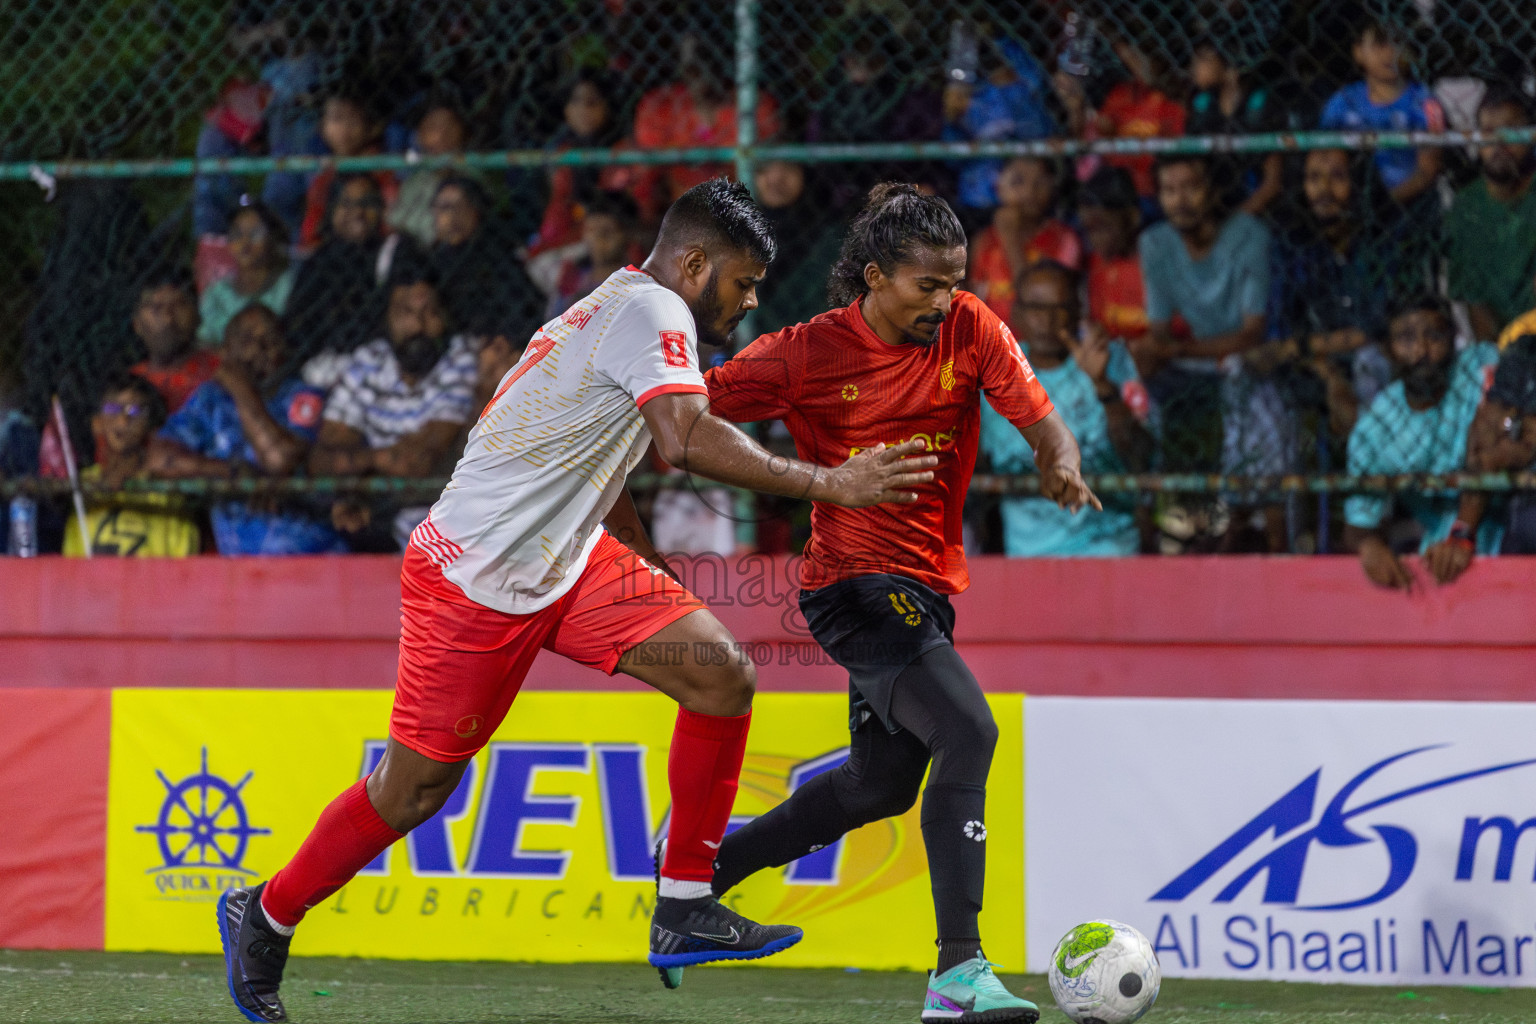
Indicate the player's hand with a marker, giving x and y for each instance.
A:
(1448, 559)
(1064, 485)
(880, 474)
(1384, 568)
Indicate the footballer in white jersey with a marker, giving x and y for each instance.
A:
(535, 545)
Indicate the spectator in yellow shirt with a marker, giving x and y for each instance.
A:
(142, 524)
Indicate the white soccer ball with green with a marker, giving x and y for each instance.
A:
(1104, 972)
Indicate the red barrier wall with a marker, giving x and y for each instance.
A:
(53, 817)
(70, 631)
(1249, 627)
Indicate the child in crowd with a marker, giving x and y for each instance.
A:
(258, 244)
(1109, 212)
(1384, 100)
(1024, 231)
(439, 132)
(1135, 108)
(145, 524)
(349, 126)
(590, 123)
(1224, 104)
(607, 244)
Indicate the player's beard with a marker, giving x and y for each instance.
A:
(706, 314)
(926, 340)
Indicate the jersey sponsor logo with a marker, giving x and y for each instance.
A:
(850, 392)
(304, 410)
(947, 375)
(906, 608)
(674, 348)
(935, 442)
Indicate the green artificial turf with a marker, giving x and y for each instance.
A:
(38, 987)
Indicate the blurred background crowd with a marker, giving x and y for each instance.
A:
(1257, 314)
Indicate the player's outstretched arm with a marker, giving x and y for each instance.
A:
(693, 439)
(1060, 463)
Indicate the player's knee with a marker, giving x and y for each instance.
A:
(964, 753)
(738, 686)
(406, 792)
(725, 690)
(893, 799)
(874, 799)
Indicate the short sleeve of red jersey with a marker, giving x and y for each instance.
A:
(650, 348)
(758, 382)
(1007, 379)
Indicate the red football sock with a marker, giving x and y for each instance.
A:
(702, 769)
(345, 840)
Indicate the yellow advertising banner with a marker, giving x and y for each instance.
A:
(544, 851)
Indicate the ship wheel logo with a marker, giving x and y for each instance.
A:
(203, 823)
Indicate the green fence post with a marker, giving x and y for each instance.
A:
(746, 88)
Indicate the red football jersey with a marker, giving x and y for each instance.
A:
(992, 275)
(840, 389)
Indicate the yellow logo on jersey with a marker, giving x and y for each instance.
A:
(938, 441)
(905, 608)
(947, 376)
(850, 392)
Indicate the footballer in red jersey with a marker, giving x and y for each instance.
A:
(909, 356)
(536, 545)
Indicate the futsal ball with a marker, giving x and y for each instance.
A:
(1104, 972)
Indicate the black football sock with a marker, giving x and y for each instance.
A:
(811, 818)
(954, 952)
(955, 834)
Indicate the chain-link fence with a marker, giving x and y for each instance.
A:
(164, 164)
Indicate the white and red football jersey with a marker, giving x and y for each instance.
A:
(516, 523)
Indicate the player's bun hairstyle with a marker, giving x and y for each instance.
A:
(897, 220)
(718, 214)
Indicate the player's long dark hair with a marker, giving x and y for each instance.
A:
(896, 221)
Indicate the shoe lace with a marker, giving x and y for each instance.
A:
(269, 954)
(979, 974)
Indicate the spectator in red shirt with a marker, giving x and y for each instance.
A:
(1109, 212)
(589, 124)
(1024, 231)
(607, 244)
(699, 109)
(349, 126)
(166, 320)
(1134, 109)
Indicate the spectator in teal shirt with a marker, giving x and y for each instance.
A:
(1093, 383)
(1417, 424)
(258, 244)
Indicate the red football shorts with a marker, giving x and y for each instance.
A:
(461, 663)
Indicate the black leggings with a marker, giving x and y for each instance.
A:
(943, 718)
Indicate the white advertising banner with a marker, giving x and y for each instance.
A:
(1363, 842)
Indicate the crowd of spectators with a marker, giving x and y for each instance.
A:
(1243, 315)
